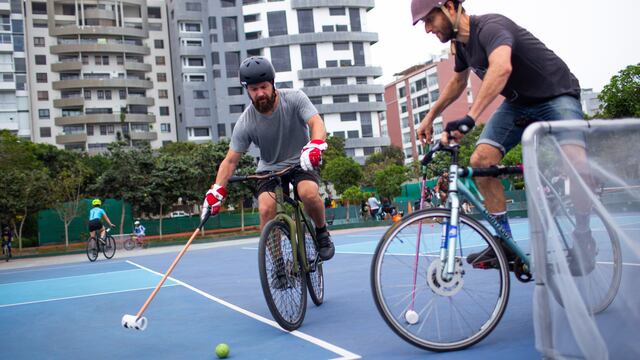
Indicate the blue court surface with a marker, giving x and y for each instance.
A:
(73, 310)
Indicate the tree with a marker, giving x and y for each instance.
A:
(343, 172)
(67, 195)
(621, 97)
(335, 149)
(352, 195)
(381, 160)
(388, 181)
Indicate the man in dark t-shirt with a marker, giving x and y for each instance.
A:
(510, 61)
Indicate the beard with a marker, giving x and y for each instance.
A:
(264, 104)
(447, 33)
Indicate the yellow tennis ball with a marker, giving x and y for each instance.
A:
(222, 350)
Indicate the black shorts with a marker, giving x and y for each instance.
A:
(95, 224)
(294, 177)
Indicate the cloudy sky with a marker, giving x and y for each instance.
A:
(595, 38)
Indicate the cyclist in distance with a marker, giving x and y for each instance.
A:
(95, 219)
(535, 82)
(287, 129)
(138, 231)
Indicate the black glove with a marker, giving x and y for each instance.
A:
(463, 125)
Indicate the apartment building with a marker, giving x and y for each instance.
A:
(410, 97)
(99, 71)
(590, 102)
(14, 97)
(322, 47)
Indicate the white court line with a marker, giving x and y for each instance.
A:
(67, 277)
(82, 296)
(345, 354)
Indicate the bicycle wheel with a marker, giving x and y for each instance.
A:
(283, 284)
(92, 249)
(5, 252)
(315, 276)
(421, 306)
(598, 287)
(129, 244)
(109, 247)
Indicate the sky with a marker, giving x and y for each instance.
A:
(596, 39)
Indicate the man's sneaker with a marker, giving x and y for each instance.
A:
(486, 258)
(326, 250)
(582, 256)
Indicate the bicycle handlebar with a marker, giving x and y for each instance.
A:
(283, 172)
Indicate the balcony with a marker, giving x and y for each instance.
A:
(66, 66)
(143, 135)
(71, 138)
(68, 102)
(99, 14)
(135, 66)
(98, 30)
(100, 48)
(140, 100)
(101, 83)
(7, 85)
(103, 119)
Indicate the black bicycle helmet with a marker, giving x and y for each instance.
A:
(256, 69)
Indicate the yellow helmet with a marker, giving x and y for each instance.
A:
(96, 202)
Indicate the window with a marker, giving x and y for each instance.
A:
(107, 129)
(305, 21)
(162, 77)
(165, 127)
(200, 94)
(311, 82)
(163, 94)
(284, 85)
(234, 109)
(337, 11)
(191, 27)
(45, 132)
(280, 58)
(227, 3)
(353, 134)
(402, 92)
(232, 59)
(194, 77)
(191, 42)
(18, 43)
(199, 112)
(309, 56)
(236, 90)
(358, 54)
(122, 94)
(363, 97)
(160, 60)
(212, 22)
(38, 41)
(277, 21)
(107, 94)
(327, 28)
(90, 132)
(87, 94)
(199, 132)
(339, 134)
(435, 94)
(222, 130)
(213, 38)
(341, 46)
(39, 8)
(158, 44)
(342, 28)
(119, 60)
(216, 73)
(41, 77)
(349, 116)
(315, 100)
(154, 12)
(229, 29)
(215, 58)
(193, 6)
(365, 121)
(193, 62)
(41, 60)
(43, 113)
(332, 63)
(340, 99)
(345, 62)
(43, 95)
(361, 80)
(251, 18)
(101, 60)
(339, 81)
(354, 19)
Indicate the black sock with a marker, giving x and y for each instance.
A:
(321, 230)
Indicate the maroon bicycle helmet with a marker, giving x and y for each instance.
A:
(420, 8)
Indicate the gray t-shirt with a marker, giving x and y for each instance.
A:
(279, 136)
(537, 73)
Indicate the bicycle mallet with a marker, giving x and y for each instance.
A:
(139, 322)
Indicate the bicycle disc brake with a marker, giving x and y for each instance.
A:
(441, 286)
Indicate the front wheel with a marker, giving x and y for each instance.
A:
(109, 247)
(129, 244)
(283, 284)
(423, 304)
(92, 249)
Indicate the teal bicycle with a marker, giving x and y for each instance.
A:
(440, 279)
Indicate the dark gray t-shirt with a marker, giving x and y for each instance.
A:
(537, 72)
(279, 136)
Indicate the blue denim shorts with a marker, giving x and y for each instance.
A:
(504, 129)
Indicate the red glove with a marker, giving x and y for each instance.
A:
(311, 156)
(213, 200)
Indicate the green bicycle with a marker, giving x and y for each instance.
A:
(288, 257)
(440, 279)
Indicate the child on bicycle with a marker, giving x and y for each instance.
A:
(96, 214)
(7, 238)
(138, 231)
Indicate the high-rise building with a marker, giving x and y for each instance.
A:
(410, 97)
(322, 47)
(590, 102)
(99, 71)
(14, 97)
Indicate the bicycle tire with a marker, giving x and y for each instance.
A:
(412, 310)
(5, 252)
(608, 261)
(283, 285)
(315, 275)
(92, 249)
(109, 247)
(129, 244)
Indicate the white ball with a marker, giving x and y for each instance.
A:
(411, 317)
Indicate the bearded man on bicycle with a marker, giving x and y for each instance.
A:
(278, 122)
(536, 83)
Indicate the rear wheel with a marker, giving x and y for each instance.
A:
(315, 276)
(283, 284)
(109, 248)
(422, 305)
(129, 244)
(92, 249)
